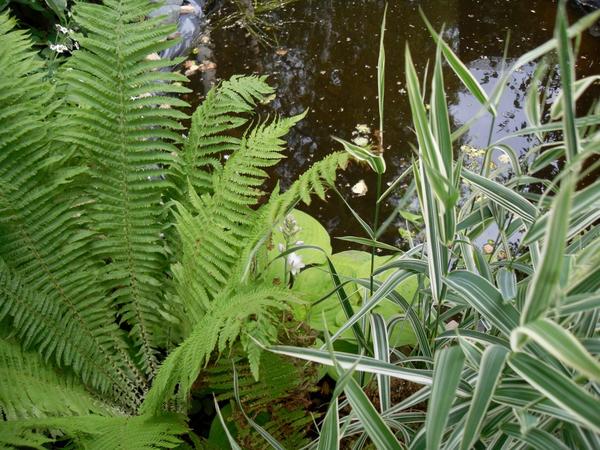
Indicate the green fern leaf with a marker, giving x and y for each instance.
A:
(29, 388)
(43, 240)
(225, 108)
(127, 142)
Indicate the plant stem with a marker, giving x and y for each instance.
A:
(375, 225)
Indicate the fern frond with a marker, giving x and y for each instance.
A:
(127, 143)
(97, 432)
(43, 241)
(225, 108)
(213, 228)
(54, 331)
(317, 180)
(283, 392)
(231, 314)
(30, 388)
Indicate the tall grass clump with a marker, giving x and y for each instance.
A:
(506, 335)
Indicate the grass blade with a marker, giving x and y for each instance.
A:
(462, 71)
(544, 286)
(234, 445)
(560, 343)
(492, 363)
(329, 437)
(485, 298)
(446, 376)
(503, 196)
(381, 351)
(558, 388)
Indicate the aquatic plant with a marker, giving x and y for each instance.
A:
(129, 253)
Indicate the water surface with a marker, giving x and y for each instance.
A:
(325, 60)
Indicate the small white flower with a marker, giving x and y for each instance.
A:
(299, 242)
(281, 247)
(59, 48)
(63, 30)
(295, 263)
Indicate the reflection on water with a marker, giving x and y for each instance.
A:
(326, 61)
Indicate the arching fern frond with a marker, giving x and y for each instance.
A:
(54, 331)
(95, 432)
(225, 108)
(43, 242)
(213, 230)
(127, 141)
(317, 180)
(231, 313)
(30, 388)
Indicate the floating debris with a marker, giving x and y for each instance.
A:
(281, 51)
(360, 189)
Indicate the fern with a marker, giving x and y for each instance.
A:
(224, 110)
(128, 142)
(282, 392)
(93, 171)
(97, 432)
(43, 244)
(30, 388)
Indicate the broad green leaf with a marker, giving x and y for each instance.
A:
(560, 343)
(446, 376)
(492, 363)
(558, 388)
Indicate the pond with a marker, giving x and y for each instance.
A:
(325, 58)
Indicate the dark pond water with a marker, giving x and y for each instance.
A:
(325, 60)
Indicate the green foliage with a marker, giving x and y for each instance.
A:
(121, 241)
(506, 352)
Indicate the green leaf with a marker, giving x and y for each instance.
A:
(545, 285)
(560, 343)
(567, 78)
(329, 436)
(503, 196)
(381, 351)
(234, 445)
(485, 298)
(379, 432)
(489, 374)
(446, 376)
(360, 363)
(558, 388)
(462, 71)
(374, 160)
